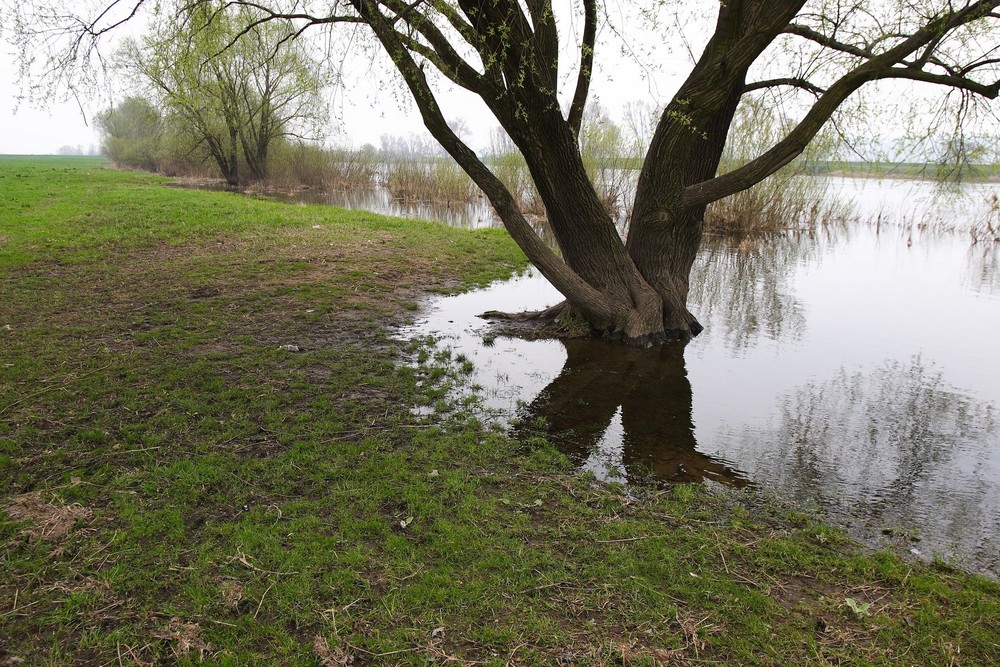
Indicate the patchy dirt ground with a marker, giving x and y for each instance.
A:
(208, 453)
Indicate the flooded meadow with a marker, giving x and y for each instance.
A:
(850, 369)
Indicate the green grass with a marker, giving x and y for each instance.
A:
(177, 488)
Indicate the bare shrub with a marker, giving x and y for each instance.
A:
(293, 165)
(791, 198)
(414, 170)
(607, 156)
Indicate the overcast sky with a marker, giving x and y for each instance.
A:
(371, 101)
(368, 104)
(26, 129)
(29, 128)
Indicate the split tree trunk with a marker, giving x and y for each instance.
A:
(635, 292)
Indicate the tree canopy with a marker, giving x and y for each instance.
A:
(236, 84)
(130, 133)
(515, 55)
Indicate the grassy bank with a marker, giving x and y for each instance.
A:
(207, 453)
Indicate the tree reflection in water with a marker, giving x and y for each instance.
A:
(984, 268)
(620, 407)
(889, 447)
(742, 289)
(878, 444)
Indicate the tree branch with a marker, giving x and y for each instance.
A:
(553, 267)
(829, 42)
(441, 53)
(586, 66)
(794, 82)
(546, 38)
(877, 67)
(990, 91)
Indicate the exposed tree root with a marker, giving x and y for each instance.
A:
(564, 321)
(558, 321)
(551, 314)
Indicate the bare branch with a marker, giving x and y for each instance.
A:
(440, 53)
(878, 67)
(787, 81)
(829, 42)
(586, 66)
(990, 91)
(551, 265)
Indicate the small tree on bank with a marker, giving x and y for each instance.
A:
(234, 83)
(507, 52)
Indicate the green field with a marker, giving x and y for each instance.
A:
(178, 487)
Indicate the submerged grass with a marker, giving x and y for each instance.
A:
(986, 228)
(207, 453)
(792, 198)
(418, 178)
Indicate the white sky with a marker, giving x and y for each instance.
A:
(368, 105)
(371, 102)
(26, 130)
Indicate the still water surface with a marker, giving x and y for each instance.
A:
(853, 371)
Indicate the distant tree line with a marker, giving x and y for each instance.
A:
(67, 149)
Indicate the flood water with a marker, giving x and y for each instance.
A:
(853, 371)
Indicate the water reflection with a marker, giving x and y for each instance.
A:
(477, 214)
(894, 447)
(742, 290)
(474, 215)
(852, 371)
(625, 413)
(983, 274)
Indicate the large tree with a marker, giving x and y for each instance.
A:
(512, 54)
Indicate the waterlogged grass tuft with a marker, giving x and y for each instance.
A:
(176, 488)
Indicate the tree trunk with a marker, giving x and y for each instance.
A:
(233, 171)
(635, 293)
(587, 235)
(645, 282)
(228, 166)
(255, 145)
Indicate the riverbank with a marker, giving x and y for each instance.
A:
(910, 171)
(207, 451)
